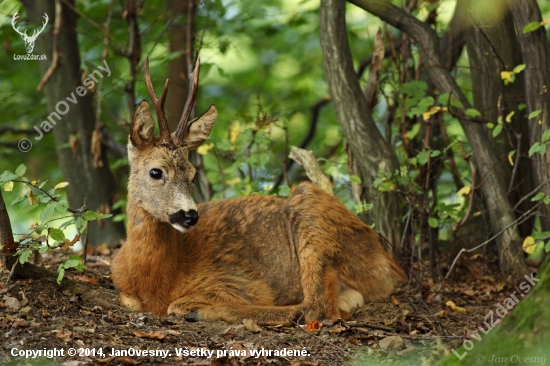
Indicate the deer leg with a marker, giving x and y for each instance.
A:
(194, 308)
(130, 301)
(316, 237)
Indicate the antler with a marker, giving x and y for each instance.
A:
(37, 32)
(165, 139)
(183, 126)
(24, 34)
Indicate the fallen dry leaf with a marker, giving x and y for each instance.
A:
(337, 329)
(251, 325)
(391, 343)
(19, 323)
(85, 278)
(442, 313)
(12, 303)
(229, 333)
(453, 307)
(45, 313)
(64, 334)
(313, 326)
(395, 302)
(469, 292)
(152, 335)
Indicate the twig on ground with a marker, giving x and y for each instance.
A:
(10, 275)
(443, 331)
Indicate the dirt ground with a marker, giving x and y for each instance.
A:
(81, 315)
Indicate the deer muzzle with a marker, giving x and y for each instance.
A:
(183, 220)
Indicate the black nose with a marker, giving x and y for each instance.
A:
(184, 218)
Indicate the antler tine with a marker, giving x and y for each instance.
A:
(184, 125)
(165, 139)
(13, 25)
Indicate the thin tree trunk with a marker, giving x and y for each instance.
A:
(494, 189)
(6, 235)
(85, 181)
(536, 56)
(492, 48)
(374, 155)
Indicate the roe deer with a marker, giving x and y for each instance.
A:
(305, 257)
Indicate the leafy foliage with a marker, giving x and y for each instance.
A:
(42, 236)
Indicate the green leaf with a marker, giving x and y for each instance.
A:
(66, 224)
(61, 206)
(519, 68)
(40, 228)
(90, 215)
(456, 103)
(472, 112)
(28, 208)
(24, 256)
(509, 116)
(497, 130)
(531, 27)
(355, 179)
(414, 131)
(74, 261)
(60, 273)
(81, 225)
(284, 190)
(48, 211)
(7, 176)
(490, 125)
(433, 222)
(534, 149)
(547, 246)
(522, 106)
(22, 198)
(21, 169)
(545, 136)
(534, 113)
(443, 99)
(538, 196)
(57, 235)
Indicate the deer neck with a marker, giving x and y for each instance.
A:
(148, 236)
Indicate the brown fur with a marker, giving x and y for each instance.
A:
(270, 259)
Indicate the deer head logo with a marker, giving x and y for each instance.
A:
(29, 40)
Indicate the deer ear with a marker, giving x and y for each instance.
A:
(143, 126)
(200, 128)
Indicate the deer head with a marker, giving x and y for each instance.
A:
(161, 176)
(29, 40)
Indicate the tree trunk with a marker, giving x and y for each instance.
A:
(494, 189)
(536, 56)
(6, 235)
(492, 48)
(373, 154)
(85, 181)
(523, 333)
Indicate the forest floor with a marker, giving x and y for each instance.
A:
(81, 315)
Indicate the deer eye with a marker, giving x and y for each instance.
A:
(155, 173)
